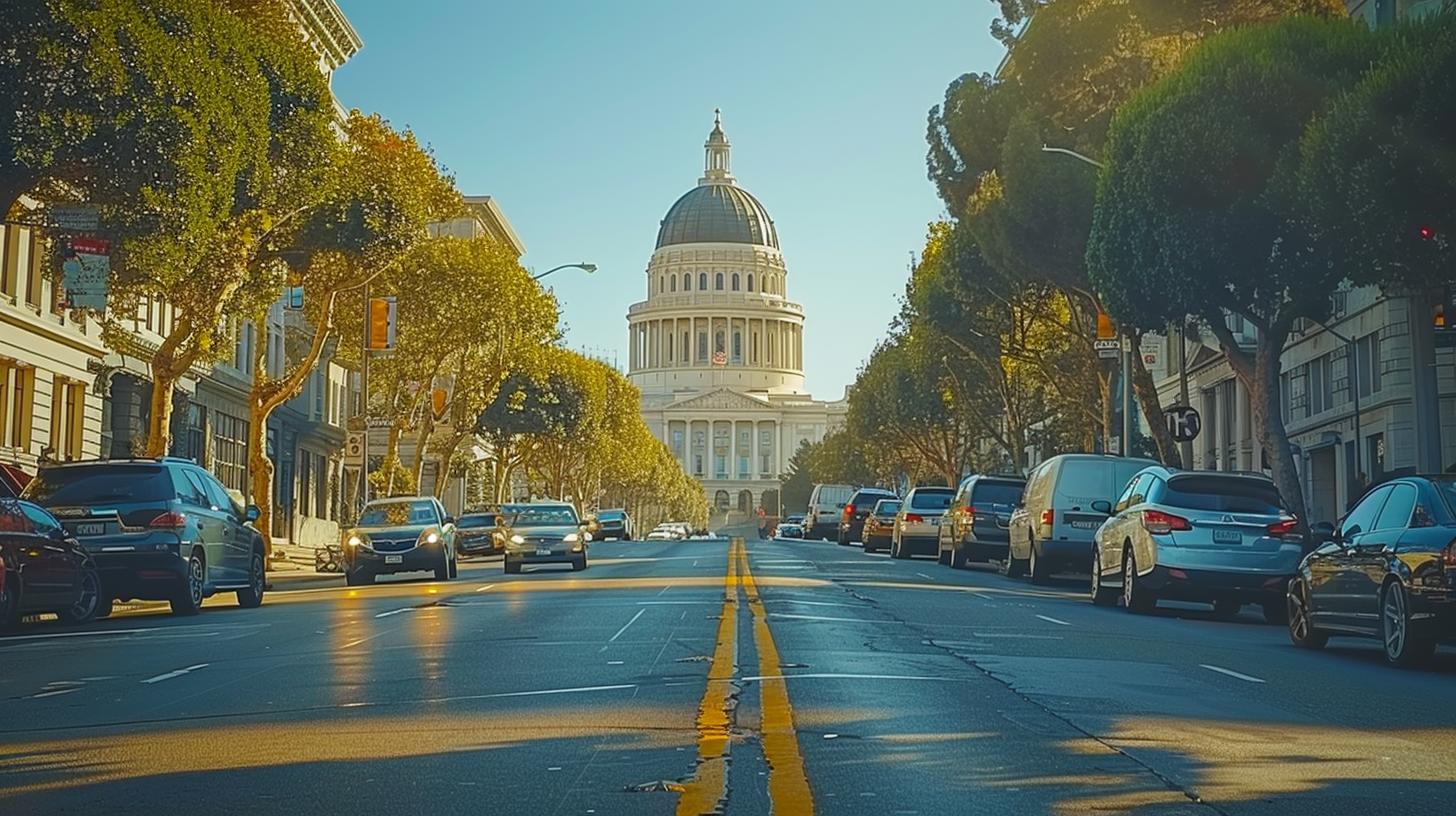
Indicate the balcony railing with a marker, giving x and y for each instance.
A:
(659, 302)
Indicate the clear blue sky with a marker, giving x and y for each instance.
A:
(586, 119)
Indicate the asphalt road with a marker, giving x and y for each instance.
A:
(680, 677)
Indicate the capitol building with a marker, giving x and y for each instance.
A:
(717, 347)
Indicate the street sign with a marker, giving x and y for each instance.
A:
(1184, 423)
(1107, 348)
(62, 218)
(354, 449)
(85, 272)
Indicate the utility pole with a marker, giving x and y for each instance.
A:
(1127, 421)
(1185, 448)
(364, 402)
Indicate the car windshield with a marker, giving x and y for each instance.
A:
(540, 515)
(476, 520)
(996, 492)
(1227, 494)
(887, 507)
(932, 499)
(868, 498)
(398, 513)
(611, 515)
(89, 484)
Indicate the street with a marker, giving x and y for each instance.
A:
(685, 676)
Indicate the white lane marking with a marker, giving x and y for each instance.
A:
(613, 638)
(178, 673)
(823, 618)
(55, 692)
(783, 561)
(1231, 673)
(81, 634)
(395, 612)
(676, 603)
(539, 693)
(664, 590)
(484, 588)
(1054, 620)
(926, 577)
(785, 566)
(816, 603)
(615, 662)
(1016, 636)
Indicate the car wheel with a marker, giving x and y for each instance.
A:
(1226, 608)
(842, 538)
(1301, 631)
(84, 609)
(103, 607)
(9, 600)
(512, 567)
(442, 572)
(957, 558)
(1011, 567)
(358, 577)
(188, 599)
(454, 568)
(578, 563)
(1037, 567)
(252, 596)
(942, 557)
(897, 548)
(1101, 595)
(1134, 597)
(1403, 646)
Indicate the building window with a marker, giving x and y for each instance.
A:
(34, 278)
(737, 346)
(674, 283)
(702, 346)
(720, 343)
(17, 404)
(703, 281)
(677, 443)
(68, 418)
(684, 355)
(687, 282)
(1367, 357)
(750, 281)
(230, 451)
(718, 281)
(1299, 393)
(735, 281)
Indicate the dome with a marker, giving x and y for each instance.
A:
(717, 213)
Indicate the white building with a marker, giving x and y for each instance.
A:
(717, 347)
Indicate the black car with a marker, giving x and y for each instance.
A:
(400, 534)
(157, 529)
(43, 568)
(614, 524)
(1388, 571)
(478, 533)
(977, 527)
(856, 510)
(544, 533)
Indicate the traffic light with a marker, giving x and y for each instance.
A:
(1426, 232)
(381, 327)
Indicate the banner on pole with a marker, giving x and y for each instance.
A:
(85, 273)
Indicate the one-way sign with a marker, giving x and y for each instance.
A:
(1184, 423)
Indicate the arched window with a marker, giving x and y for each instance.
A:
(735, 281)
(737, 347)
(750, 281)
(719, 343)
(673, 284)
(718, 281)
(687, 282)
(703, 281)
(660, 285)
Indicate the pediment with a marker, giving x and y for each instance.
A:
(723, 399)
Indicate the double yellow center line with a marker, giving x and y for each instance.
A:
(788, 784)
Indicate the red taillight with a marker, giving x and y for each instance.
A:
(1283, 527)
(971, 512)
(914, 518)
(169, 521)
(849, 511)
(1046, 517)
(1159, 523)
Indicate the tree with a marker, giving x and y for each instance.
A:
(1378, 170)
(798, 481)
(1199, 210)
(381, 190)
(839, 458)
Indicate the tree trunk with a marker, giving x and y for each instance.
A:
(1147, 396)
(456, 440)
(165, 373)
(1266, 405)
(260, 468)
(422, 440)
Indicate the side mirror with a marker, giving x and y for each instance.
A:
(1102, 506)
(449, 519)
(250, 513)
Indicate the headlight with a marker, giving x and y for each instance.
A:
(586, 537)
(432, 538)
(571, 538)
(515, 539)
(355, 541)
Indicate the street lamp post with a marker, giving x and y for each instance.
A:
(585, 267)
(1354, 358)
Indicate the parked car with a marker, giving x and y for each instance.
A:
(978, 525)
(857, 509)
(879, 525)
(544, 533)
(665, 532)
(401, 534)
(615, 524)
(1219, 538)
(826, 502)
(1052, 528)
(43, 568)
(478, 533)
(917, 523)
(156, 529)
(1388, 571)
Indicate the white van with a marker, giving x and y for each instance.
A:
(1053, 527)
(826, 504)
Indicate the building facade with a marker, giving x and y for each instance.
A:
(716, 348)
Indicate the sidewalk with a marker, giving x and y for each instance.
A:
(289, 558)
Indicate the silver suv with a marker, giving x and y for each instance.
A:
(1206, 536)
(917, 524)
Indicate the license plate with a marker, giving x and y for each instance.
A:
(394, 559)
(543, 550)
(1084, 525)
(90, 529)
(1228, 537)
